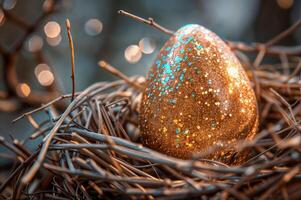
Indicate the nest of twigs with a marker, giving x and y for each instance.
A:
(92, 149)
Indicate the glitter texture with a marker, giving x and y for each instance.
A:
(197, 96)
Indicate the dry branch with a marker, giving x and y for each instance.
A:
(68, 26)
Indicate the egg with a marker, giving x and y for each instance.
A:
(197, 98)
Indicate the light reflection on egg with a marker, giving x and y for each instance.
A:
(197, 96)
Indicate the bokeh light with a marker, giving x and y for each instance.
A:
(285, 4)
(54, 41)
(23, 90)
(2, 17)
(44, 74)
(9, 4)
(35, 43)
(41, 67)
(132, 54)
(52, 29)
(147, 45)
(93, 27)
(47, 5)
(45, 78)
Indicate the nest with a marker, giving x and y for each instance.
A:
(92, 149)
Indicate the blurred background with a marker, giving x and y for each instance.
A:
(35, 57)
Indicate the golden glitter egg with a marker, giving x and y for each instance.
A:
(197, 98)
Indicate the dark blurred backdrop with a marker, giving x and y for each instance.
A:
(43, 61)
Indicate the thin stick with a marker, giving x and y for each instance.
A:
(235, 45)
(42, 107)
(294, 73)
(270, 50)
(42, 154)
(149, 21)
(284, 34)
(12, 175)
(104, 65)
(68, 26)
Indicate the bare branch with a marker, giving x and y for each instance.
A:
(68, 26)
(284, 34)
(149, 21)
(106, 66)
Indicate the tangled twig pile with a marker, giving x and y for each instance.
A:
(92, 149)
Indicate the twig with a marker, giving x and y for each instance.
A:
(284, 34)
(271, 51)
(11, 176)
(104, 65)
(9, 58)
(33, 170)
(42, 107)
(68, 26)
(149, 21)
(17, 20)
